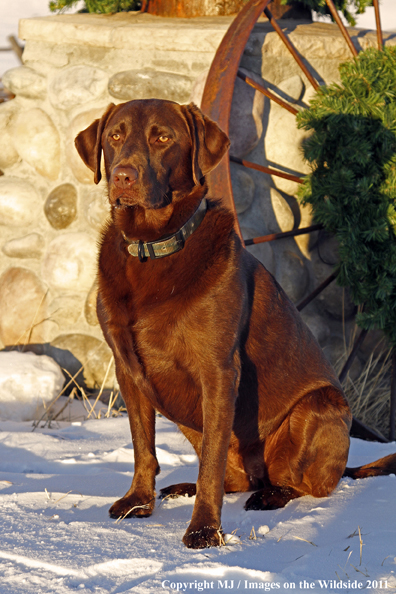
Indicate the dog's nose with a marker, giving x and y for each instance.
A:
(124, 177)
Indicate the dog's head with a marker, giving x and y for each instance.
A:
(154, 151)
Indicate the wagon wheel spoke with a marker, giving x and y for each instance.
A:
(290, 47)
(266, 92)
(317, 291)
(378, 24)
(351, 358)
(267, 170)
(342, 27)
(292, 233)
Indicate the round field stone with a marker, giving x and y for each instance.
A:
(89, 352)
(22, 307)
(66, 309)
(243, 188)
(247, 108)
(292, 275)
(29, 246)
(61, 206)
(96, 207)
(8, 154)
(70, 262)
(146, 84)
(26, 82)
(20, 203)
(37, 141)
(262, 251)
(76, 85)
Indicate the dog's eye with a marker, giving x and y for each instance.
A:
(115, 136)
(162, 139)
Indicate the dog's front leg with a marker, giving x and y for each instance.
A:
(140, 499)
(218, 404)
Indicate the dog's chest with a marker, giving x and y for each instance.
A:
(169, 336)
(171, 346)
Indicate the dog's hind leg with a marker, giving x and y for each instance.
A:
(235, 481)
(307, 454)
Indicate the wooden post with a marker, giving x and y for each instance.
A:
(192, 8)
(196, 8)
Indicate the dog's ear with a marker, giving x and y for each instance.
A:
(89, 143)
(209, 142)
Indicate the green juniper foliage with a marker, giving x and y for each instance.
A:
(99, 6)
(352, 186)
(343, 5)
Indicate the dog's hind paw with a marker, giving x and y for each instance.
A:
(179, 490)
(270, 498)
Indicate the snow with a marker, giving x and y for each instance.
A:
(28, 383)
(57, 484)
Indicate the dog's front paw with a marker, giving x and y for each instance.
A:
(132, 506)
(207, 536)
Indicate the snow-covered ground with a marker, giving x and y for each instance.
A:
(13, 10)
(56, 485)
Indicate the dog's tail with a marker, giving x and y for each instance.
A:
(380, 467)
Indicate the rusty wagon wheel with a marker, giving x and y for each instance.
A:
(216, 103)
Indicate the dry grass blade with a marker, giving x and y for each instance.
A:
(144, 506)
(221, 537)
(69, 401)
(112, 399)
(63, 496)
(385, 560)
(368, 394)
(353, 534)
(343, 570)
(85, 400)
(362, 572)
(308, 541)
(37, 423)
(361, 545)
(103, 385)
(252, 535)
(349, 556)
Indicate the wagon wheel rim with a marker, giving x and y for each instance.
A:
(216, 103)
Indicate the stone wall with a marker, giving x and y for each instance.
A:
(51, 212)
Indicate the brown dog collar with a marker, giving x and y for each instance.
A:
(168, 245)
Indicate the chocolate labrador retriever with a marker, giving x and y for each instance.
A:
(201, 332)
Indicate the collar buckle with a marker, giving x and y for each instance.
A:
(168, 245)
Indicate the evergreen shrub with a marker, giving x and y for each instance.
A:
(352, 185)
(344, 6)
(98, 6)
